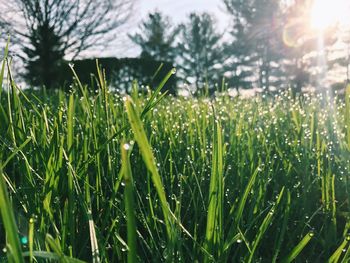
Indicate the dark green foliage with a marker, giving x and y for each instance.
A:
(45, 56)
(120, 73)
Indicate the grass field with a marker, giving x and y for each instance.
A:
(98, 177)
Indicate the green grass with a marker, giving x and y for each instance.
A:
(99, 177)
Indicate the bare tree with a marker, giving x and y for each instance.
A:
(47, 31)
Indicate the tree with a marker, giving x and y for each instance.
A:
(257, 41)
(239, 68)
(200, 50)
(305, 47)
(157, 38)
(297, 45)
(47, 31)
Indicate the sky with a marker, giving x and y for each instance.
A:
(177, 10)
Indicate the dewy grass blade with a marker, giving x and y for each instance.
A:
(52, 257)
(93, 239)
(337, 254)
(31, 239)
(55, 247)
(264, 225)
(346, 258)
(148, 157)
(70, 139)
(214, 234)
(9, 222)
(14, 153)
(298, 248)
(129, 203)
(283, 229)
(238, 215)
(151, 101)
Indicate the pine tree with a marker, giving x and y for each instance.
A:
(44, 57)
(157, 38)
(239, 68)
(257, 41)
(200, 49)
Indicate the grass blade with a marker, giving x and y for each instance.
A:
(239, 213)
(31, 240)
(9, 222)
(214, 231)
(52, 256)
(337, 254)
(298, 248)
(154, 95)
(129, 203)
(149, 159)
(264, 225)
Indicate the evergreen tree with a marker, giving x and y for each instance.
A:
(239, 68)
(257, 42)
(266, 31)
(200, 50)
(296, 46)
(157, 38)
(44, 57)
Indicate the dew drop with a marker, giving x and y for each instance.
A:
(24, 240)
(126, 146)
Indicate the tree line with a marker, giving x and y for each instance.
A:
(268, 44)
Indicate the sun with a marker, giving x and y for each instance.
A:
(326, 13)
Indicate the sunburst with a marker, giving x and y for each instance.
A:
(326, 13)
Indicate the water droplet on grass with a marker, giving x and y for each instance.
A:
(24, 240)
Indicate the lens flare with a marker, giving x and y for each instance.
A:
(325, 14)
